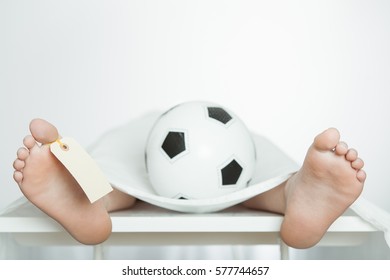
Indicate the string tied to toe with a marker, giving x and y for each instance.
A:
(62, 145)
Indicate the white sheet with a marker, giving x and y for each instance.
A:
(374, 215)
(120, 154)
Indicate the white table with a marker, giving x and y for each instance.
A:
(149, 225)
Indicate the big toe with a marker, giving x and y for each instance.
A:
(43, 131)
(327, 140)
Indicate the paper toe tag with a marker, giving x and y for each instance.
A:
(82, 167)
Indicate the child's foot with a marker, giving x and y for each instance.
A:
(48, 185)
(329, 181)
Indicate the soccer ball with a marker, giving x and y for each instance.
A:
(199, 150)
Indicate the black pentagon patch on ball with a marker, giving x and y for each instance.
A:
(174, 143)
(219, 114)
(231, 173)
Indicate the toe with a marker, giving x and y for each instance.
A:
(18, 177)
(351, 155)
(22, 153)
(327, 140)
(19, 164)
(43, 131)
(29, 142)
(361, 175)
(357, 164)
(341, 148)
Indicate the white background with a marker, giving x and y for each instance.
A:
(289, 69)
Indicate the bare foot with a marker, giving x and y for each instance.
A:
(49, 186)
(330, 180)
